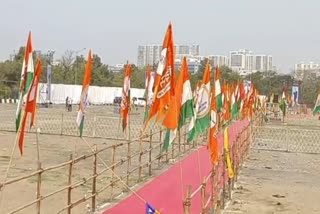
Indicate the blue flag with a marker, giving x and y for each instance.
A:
(151, 210)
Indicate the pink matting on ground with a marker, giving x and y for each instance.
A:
(164, 192)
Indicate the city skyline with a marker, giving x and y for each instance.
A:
(290, 36)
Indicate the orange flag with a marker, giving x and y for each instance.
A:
(165, 79)
(84, 93)
(125, 103)
(213, 140)
(30, 104)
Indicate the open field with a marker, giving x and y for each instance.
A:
(101, 129)
(278, 182)
(282, 172)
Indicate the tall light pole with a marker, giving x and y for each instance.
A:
(76, 70)
(49, 74)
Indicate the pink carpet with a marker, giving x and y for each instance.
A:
(164, 192)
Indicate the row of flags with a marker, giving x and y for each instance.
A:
(28, 93)
(208, 107)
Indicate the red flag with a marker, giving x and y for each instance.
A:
(30, 104)
(165, 79)
(125, 103)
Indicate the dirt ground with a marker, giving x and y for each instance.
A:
(273, 182)
(56, 149)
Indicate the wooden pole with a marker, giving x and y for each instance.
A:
(39, 174)
(184, 138)
(140, 158)
(38, 146)
(39, 188)
(69, 183)
(203, 196)
(172, 151)
(160, 149)
(94, 180)
(150, 152)
(179, 141)
(94, 126)
(187, 202)
(112, 168)
(61, 131)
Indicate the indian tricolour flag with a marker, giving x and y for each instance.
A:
(201, 120)
(125, 102)
(316, 108)
(27, 73)
(283, 104)
(84, 93)
(234, 109)
(217, 87)
(184, 99)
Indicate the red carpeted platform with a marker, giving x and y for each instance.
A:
(166, 191)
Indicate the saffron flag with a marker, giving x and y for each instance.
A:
(164, 83)
(30, 104)
(184, 103)
(218, 89)
(151, 210)
(147, 93)
(213, 140)
(25, 79)
(226, 105)
(201, 120)
(125, 102)
(84, 93)
(226, 150)
(316, 108)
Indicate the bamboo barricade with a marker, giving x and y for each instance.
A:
(219, 194)
(149, 156)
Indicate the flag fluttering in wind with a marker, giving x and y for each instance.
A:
(201, 120)
(283, 104)
(234, 109)
(218, 89)
(26, 78)
(147, 93)
(151, 210)
(84, 93)
(213, 139)
(226, 104)
(31, 103)
(164, 83)
(184, 103)
(316, 108)
(125, 102)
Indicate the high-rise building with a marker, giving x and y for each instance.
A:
(263, 62)
(150, 54)
(241, 61)
(245, 62)
(218, 60)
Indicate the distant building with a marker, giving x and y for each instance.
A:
(150, 54)
(242, 61)
(246, 62)
(263, 62)
(311, 68)
(116, 68)
(193, 64)
(218, 60)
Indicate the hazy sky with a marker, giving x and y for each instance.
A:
(287, 29)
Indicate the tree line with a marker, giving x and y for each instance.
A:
(70, 70)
